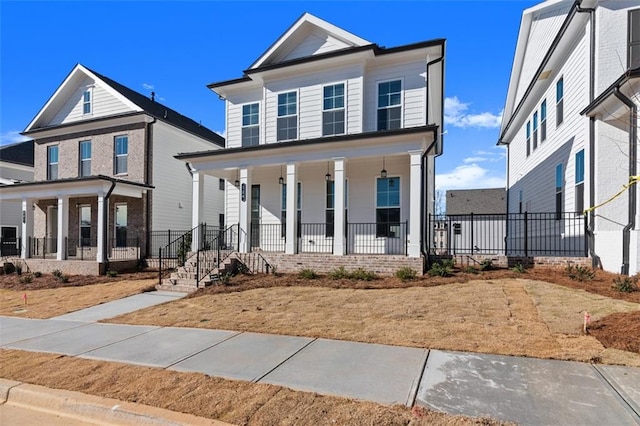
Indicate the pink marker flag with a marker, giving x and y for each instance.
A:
(24, 297)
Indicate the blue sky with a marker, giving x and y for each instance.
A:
(176, 48)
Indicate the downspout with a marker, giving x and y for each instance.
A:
(592, 131)
(105, 231)
(148, 178)
(626, 231)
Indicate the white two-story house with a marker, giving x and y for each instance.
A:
(330, 148)
(570, 123)
(106, 185)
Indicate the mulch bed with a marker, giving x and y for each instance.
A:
(46, 281)
(619, 331)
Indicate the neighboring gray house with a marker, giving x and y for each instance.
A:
(476, 201)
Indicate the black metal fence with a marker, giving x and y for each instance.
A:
(267, 237)
(83, 249)
(43, 248)
(377, 238)
(10, 246)
(313, 238)
(515, 234)
(124, 249)
(162, 239)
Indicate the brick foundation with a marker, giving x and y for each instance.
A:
(74, 267)
(511, 261)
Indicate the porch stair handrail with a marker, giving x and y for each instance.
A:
(224, 247)
(167, 250)
(254, 262)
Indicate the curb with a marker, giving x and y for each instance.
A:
(81, 406)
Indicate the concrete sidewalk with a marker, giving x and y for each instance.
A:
(524, 390)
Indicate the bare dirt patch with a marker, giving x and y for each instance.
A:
(236, 402)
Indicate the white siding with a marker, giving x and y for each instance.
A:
(102, 104)
(172, 196)
(234, 115)
(611, 50)
(314, 44)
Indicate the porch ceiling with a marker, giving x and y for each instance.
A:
(363, 145)
(91, 186)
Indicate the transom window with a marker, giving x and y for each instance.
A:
(121, 152)
(86, 102)
(333, 110)
(559, 101)
(543, 121)
(388, 207)
(52, 162)
(287, 116)
(390, 105)
(85, 158)
(634, 39)
(250, 124)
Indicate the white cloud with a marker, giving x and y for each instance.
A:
(12, 136)
(469, 176)
(474, 160)
(456, 114)
(147, 86)
(222, 133)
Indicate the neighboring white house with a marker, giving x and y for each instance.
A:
(570, 122)
(16, 165)
(336, 132)
(105, 179)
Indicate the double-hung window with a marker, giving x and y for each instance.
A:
(250, 124)
(388, 207)
(528, 138)
(543, 121)
(283, 210)
(559, 182)
(390, 105)
(86, 102)
(52, 162)
(535, 130)
(287, 116)
(634, 39)
(580, 181)
(559, 101)
(330, 207)
(85, 226)
(85, 159)
(121, 154)
(333, 110)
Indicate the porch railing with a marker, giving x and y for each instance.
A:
(267, 237)
(377, 238)
(315, 238)
(10, 246)
(43, 248)
(124, 249)
(82, 249)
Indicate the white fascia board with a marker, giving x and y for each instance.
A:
(68, 188)
(111, 90)
(15, 166)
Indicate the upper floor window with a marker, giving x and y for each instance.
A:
(333, 110)
(543, 121)
(85, 158)
(86, 102)
(121, 153)
(535, 130)
(52, 162)
(287, 116)
(250, 124)
(528, 138)
(559, 101)
(390, 105)
(634, 39)
(221, 184)
(559, 184)
(580, 181)
(388, 207)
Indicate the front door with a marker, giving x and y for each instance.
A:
(255, 216)
(51, 242)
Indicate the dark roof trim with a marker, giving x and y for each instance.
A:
(81, 179)
(628, 75)
(543, 64)
(75, 123)
(377, 50)
(306, 142)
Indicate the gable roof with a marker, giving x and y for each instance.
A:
(134, 100)
(18, 153)
(304, 27)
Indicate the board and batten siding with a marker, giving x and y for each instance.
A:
(103, 104)
(535, 175)
(412, 75)
(172, 195)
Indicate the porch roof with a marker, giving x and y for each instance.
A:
(608, 107)
(377, 143)
(82, 186)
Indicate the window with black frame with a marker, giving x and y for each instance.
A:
(388, 207)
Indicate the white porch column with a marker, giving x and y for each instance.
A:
(245, 210)
(63, 226)
(292, 209)
(27, 227)
(101, 255)
(197, 181)
(339, 247)
(415, 179)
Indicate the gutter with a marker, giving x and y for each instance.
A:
(626, 231)
(105, 232)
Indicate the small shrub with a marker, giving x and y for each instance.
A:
(112, 274)
(406, 274)
(519, 268)
(307, 274)
(225, 278)
(63, 278)
(26, 279)
(580, 273)
(56, 273)
(19, 269)
(472, 270)
(486, 265)
(339, 273)
(625, 284)
(37, 274)
(361, 274)
(274, 270)
(442, 269)
(9, 268)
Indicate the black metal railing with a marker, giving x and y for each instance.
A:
(377, 238)
(515, 234)
(211, 255)
(82, 249)
(254, 263)
(124, 249)
(267, 237)
(314, 238)
(43, 247)
(10, 246)
(162, 239)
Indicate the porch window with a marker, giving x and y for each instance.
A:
(528, 138)
(85, 226)
(287, 116)
(388, 207)
(634, 39)
(543, 121)
(333, 110)
(121, 154)
(580, 181)
(283, 210)
(250, 125)
(52, 162)
(559, 181)
(85, 158)
(535, 130)
(390, 105)
(559, 101)
(121, 225)
(86, 102)
(330, 206)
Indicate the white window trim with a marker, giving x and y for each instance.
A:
(259, 125)
(56, 163)
(402, 89)
(80, 159)
(344, 82)
(277, 94)
(116, 156)
(80, 221)
(375, 199)
(115, 217)
(90, 90)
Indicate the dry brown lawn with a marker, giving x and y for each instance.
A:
(236, 402)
